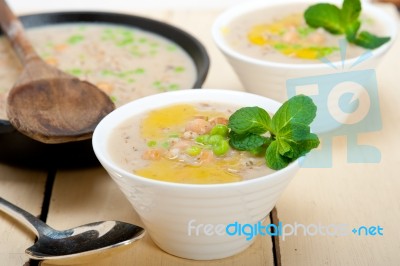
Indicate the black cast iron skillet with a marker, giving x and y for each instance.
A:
(18, 149)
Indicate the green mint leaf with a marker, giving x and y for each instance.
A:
(295, 140)
(326, 16)
(288, 139)
(369, 40)
(290, 147)
(351, 10)
(246, 142)
(351, 30)
(284, 148)
(308, 143)
(274, 159)
(250, 120)
(298, 109)
(260, 151)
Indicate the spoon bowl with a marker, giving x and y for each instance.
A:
(75, 243)
(45, 103)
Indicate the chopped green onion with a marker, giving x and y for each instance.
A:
(165, 145)
(280, 46)
(193, 151)
(305, 31)
(125, 42)
(139, 71)
(75, 71)
(179, 69)
(151, 143)
(113, 98)
(74, 39)
(173, 87)
(171, 48)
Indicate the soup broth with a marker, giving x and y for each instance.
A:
(183, 144)
(280, 34)
(127, 63)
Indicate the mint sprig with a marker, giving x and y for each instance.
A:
(281, 139)
(344, 20)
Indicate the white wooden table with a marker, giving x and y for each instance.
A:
(353, 194)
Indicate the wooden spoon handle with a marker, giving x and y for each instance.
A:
(14, 30)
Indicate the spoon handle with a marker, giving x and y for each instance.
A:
(36, 225)
(13, 29)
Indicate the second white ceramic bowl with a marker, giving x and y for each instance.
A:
(270, 78)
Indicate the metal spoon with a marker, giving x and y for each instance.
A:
(83, 240)
(45, 103)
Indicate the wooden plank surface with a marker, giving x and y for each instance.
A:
(84, 196)
(24, 188)
(353, 194)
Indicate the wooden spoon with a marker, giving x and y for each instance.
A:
(46, 104)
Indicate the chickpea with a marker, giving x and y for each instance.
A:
(291, 37)
(189, 135)
(219, 121)
(198, 125)
(152, 154)
(316, 38)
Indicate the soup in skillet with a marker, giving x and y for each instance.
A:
(127, 63)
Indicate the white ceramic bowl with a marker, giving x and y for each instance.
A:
(173, 212)
(270, 78)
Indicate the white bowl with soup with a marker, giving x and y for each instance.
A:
(187, 206)
(271, 48)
